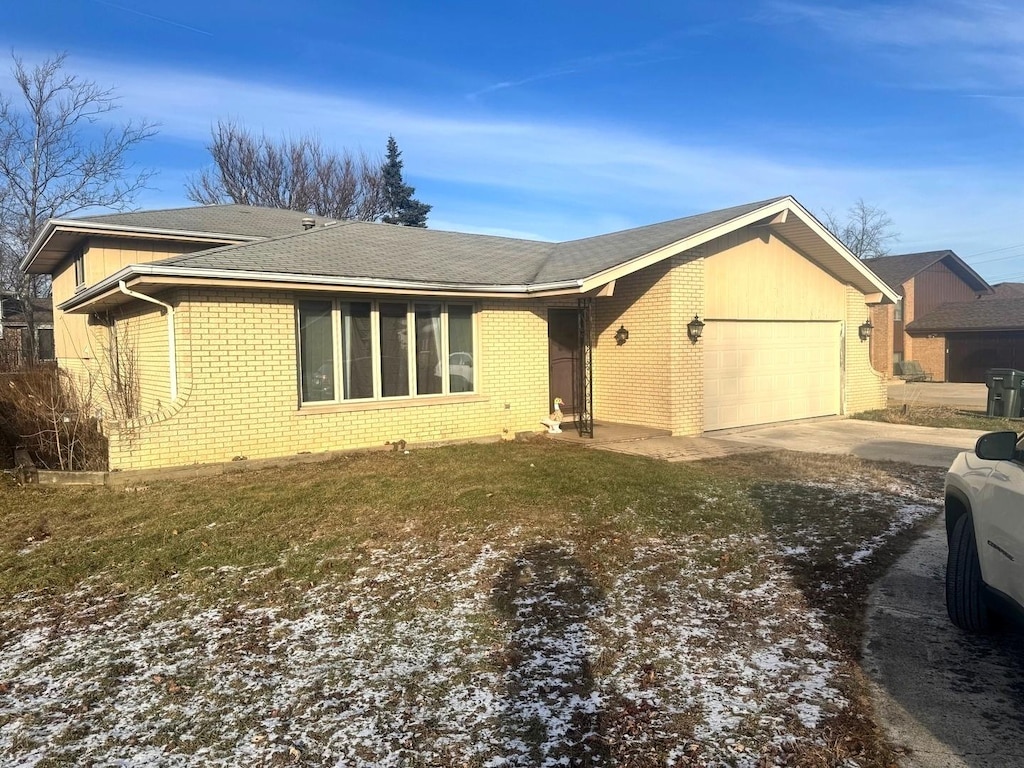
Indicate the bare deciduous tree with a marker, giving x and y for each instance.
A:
(297, 174)
(60, 154)
(867, 230)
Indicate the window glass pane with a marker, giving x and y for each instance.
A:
(460, 349)
(898, 311)
(45, 349)
(356, 350)
(428, 349)
(394, 350)
(316, 351)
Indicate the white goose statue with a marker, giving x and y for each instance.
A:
(554, 421)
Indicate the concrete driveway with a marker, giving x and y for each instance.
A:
(953, 700)
(867, 439)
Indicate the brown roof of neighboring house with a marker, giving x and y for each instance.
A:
(989, 313)
(1007, 290)
(896, 270)
(12, 310)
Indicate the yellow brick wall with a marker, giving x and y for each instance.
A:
(239, 388)
(864, 388)
(655, 379)
(633, 382)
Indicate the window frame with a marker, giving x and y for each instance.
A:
(376, 361)
(78, 264)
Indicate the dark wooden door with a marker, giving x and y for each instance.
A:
(971, 354)
(563, 357)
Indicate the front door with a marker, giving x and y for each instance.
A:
(563, 357)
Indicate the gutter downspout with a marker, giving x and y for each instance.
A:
(172, 355)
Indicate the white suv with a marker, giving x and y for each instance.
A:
(985, 531)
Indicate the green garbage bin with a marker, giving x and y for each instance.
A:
(1004, 392)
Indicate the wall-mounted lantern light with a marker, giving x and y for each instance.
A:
(621, 335)
(694, 329)
(864, 331)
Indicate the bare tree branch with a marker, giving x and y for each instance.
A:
(297, 174)
(59, 155)
(867, 230)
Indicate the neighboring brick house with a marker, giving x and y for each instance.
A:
(230, 331)
(982, 334)
(924, 281)
(14, 330)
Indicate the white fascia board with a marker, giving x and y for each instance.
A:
(687, 243)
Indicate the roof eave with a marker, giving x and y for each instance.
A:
(83, 228)
(81, 300)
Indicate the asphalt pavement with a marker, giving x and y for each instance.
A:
(952, 700)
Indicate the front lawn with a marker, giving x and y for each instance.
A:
(521, 604)
(940, 416)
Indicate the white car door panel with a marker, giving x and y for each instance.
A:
(1000, 533)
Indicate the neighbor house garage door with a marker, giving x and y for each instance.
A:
(758, 372)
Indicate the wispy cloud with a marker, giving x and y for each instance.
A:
(656, 51)
(546, 180)
(954, 44)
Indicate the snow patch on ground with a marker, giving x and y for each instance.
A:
(512, 655)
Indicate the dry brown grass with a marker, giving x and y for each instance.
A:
(940, 416)
(312, 524)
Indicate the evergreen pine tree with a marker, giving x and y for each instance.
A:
(400, 206)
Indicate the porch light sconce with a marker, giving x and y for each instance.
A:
(694, 329)
(864, 331)
(621, 335)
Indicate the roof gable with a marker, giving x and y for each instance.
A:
(898, 269)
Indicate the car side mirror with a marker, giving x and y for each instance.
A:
(997, 446)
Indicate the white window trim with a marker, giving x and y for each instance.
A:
(375, 347)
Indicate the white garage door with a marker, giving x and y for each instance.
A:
(758, 372)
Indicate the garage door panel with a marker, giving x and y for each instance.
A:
(760, 372)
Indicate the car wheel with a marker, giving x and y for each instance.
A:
(965, 601)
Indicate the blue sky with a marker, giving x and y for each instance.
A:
(558, 120)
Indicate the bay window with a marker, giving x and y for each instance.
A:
(367, 350)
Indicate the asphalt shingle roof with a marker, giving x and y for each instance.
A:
(386, 252)
(989, 313)
(1006, 291)
(896, 270)
(12, 310)
(241, 220)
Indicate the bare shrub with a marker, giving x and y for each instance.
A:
(52, 416)
(120, 376)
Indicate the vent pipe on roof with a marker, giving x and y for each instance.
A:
(308, 223)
